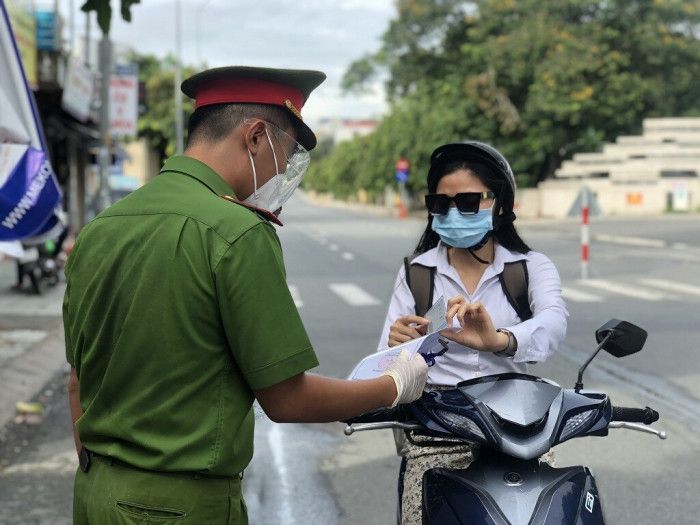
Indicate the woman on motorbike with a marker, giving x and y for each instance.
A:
(468, 242)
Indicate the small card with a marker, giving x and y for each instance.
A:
(436, 315)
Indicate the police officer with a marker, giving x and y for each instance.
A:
(177, 316)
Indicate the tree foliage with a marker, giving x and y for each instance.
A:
(539, 80)
(103, 9)
(157, 123)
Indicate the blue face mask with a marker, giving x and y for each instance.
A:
(463, 231)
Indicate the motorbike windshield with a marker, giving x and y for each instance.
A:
(522, 400)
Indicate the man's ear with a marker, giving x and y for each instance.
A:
(254, 135)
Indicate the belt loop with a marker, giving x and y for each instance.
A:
(84, 459)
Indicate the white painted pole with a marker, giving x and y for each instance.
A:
(585, 233)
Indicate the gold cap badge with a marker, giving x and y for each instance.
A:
(293, 109)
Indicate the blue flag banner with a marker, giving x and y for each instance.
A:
(30, 197)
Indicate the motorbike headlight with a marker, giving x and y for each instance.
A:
(576, 423)
(462, 422)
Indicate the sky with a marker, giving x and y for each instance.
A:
(308, 34)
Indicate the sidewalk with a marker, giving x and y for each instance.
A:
(31, 340)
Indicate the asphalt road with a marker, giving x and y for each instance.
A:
(341, 269)
(643, 270)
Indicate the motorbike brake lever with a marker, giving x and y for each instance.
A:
(640, 428)
(359, 427)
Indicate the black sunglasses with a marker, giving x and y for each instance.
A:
(467, 203)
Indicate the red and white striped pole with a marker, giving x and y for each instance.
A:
(585, 232)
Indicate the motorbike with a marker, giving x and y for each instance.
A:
(516, 418)
(43, 264)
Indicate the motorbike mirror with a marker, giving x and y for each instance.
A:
(625, 338)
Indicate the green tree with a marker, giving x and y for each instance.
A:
(103, 9)
(157, 124)
(539, 80)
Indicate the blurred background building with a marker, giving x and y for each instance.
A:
(63, 73)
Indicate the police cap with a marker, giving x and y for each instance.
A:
(286, 88)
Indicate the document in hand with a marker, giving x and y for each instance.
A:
(374, 365)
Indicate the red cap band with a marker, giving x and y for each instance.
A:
(248, 90)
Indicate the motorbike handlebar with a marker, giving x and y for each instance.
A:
(635, 415)
(378, 416)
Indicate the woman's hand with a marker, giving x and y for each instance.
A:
(477, 330)
(406, 329)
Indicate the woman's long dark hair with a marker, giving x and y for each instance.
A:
(504, 231)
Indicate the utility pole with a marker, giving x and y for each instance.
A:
(179, 132)
(104, 155)
(71, 25)
(87, 39)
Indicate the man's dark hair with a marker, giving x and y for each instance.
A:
(212, 123)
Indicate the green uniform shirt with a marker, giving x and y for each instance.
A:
(176, 309)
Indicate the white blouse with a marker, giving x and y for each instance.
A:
(537, 337)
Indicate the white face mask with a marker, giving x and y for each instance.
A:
(276, 191)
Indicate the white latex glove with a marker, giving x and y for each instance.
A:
(409, 374)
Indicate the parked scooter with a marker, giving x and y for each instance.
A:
(42, 264)
(516, 418)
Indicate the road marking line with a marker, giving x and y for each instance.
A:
(634, 241)
(672, 286)
(680, 245)
(622, 289)
(348, 256)
(353, 294)
(61, 463)
(276, 441)
(333, 247)
(573, 294)
(295, 295)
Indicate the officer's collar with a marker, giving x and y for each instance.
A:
(198, 170)
(207, 176)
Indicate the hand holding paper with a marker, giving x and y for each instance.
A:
(409, 372)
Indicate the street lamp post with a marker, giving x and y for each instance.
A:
(104, 154)
(179, 135)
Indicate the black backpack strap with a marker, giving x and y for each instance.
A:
(421, 281)
(515, 282)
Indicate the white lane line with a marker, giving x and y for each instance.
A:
(671, 285)
(348, 256)
(61, 463)
(334, 247)
(576, 295)
(622, 289)
(295, 295)
(680, 245)
(353, 294)
(276, 441)
(633, 241)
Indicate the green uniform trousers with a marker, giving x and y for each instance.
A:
(113, 493)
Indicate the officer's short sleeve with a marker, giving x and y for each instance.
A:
(266, 335)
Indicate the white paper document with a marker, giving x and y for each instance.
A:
(375, 364)
(437, 315)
